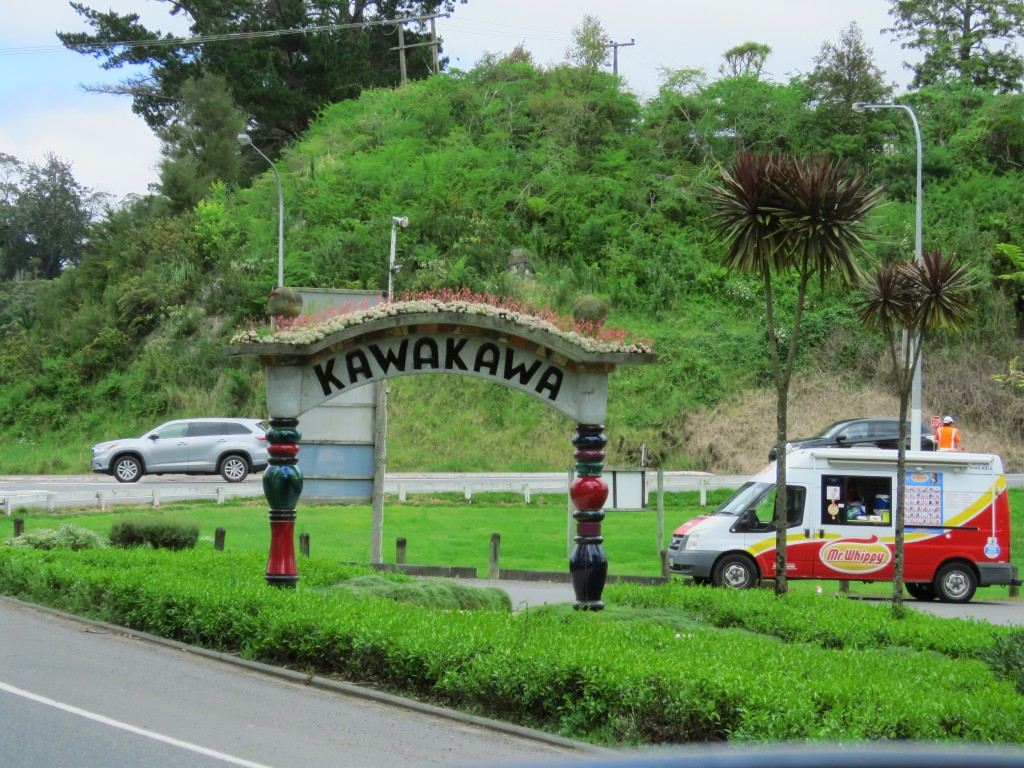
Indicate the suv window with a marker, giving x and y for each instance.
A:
(882, 430)
(207, 428)
(173, 430)
(855, 432)
(234, 428)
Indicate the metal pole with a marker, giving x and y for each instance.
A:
(245, 140)
(380, 454)
(391, 263)
(915, 398)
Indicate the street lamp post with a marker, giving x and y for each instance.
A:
(393, 268)
(245, 140)
(915, 401)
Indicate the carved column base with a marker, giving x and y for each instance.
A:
(282, 485)
(588, 565)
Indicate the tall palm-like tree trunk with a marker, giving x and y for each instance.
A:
(783, 214)
(906, 301)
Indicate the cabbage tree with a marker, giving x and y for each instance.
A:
(910, 300)
(778, 215)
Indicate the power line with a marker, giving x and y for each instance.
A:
(200, 39)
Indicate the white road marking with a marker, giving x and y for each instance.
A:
(130, 728)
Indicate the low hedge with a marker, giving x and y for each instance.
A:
(156, 532)
(806, 618)
(661, 677)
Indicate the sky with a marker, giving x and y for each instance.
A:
(44, 109)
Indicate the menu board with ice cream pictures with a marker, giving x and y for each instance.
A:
(924, 499)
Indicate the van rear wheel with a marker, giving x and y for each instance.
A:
(735, 572)
(955, 583)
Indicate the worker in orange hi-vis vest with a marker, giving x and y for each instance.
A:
(947, 437)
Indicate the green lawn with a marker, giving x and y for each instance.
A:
(450, 532)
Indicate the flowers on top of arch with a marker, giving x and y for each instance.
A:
(308, 329)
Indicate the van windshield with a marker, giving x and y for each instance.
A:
(746, 497)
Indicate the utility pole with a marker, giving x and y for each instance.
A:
(615, 52)
(401, 47)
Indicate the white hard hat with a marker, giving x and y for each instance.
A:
(948, 420)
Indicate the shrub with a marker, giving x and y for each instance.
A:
(66, 536)
(590, 309)
(626, 679)
(159, 534)
(1006, 657)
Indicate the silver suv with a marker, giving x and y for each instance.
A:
(231, 447)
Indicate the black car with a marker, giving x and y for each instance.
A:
(864, 433)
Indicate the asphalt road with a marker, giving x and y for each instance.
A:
(86, 695)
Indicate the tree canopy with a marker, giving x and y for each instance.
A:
(282, 61)
(972, 40)
(44, 217)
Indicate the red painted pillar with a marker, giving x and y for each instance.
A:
(588, 564)
(282, 485)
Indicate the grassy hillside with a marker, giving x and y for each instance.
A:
(545, 185)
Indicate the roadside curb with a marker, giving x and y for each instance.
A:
(334, 686)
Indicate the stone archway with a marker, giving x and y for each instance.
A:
(309, 365)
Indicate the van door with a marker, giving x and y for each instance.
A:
(853, 530)
(758, 531)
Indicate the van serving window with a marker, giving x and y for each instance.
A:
(856, 500)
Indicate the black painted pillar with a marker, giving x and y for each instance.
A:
(282, 485)
(588, 565)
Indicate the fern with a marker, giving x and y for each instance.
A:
(1016, 258)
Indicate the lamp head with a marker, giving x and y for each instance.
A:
(859, 106)
(244, 140)
(402, 221)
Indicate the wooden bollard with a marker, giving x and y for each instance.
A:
(400, 550)
(844, 587)
(218, 539)
(1014, 590)
(493, 570)
(19, 527)
(304, 544)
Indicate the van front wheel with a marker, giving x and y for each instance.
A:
(735, 572)
(955, 583)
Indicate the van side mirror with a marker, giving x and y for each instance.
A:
(155, 436)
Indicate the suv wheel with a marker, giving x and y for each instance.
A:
(127, 469)
(234, 468)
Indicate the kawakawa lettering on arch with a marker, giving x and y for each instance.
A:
(428, 355)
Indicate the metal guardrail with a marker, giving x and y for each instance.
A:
(132, 495)
(528, 483)
(401, 485)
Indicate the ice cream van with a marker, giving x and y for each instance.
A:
(841, 506)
